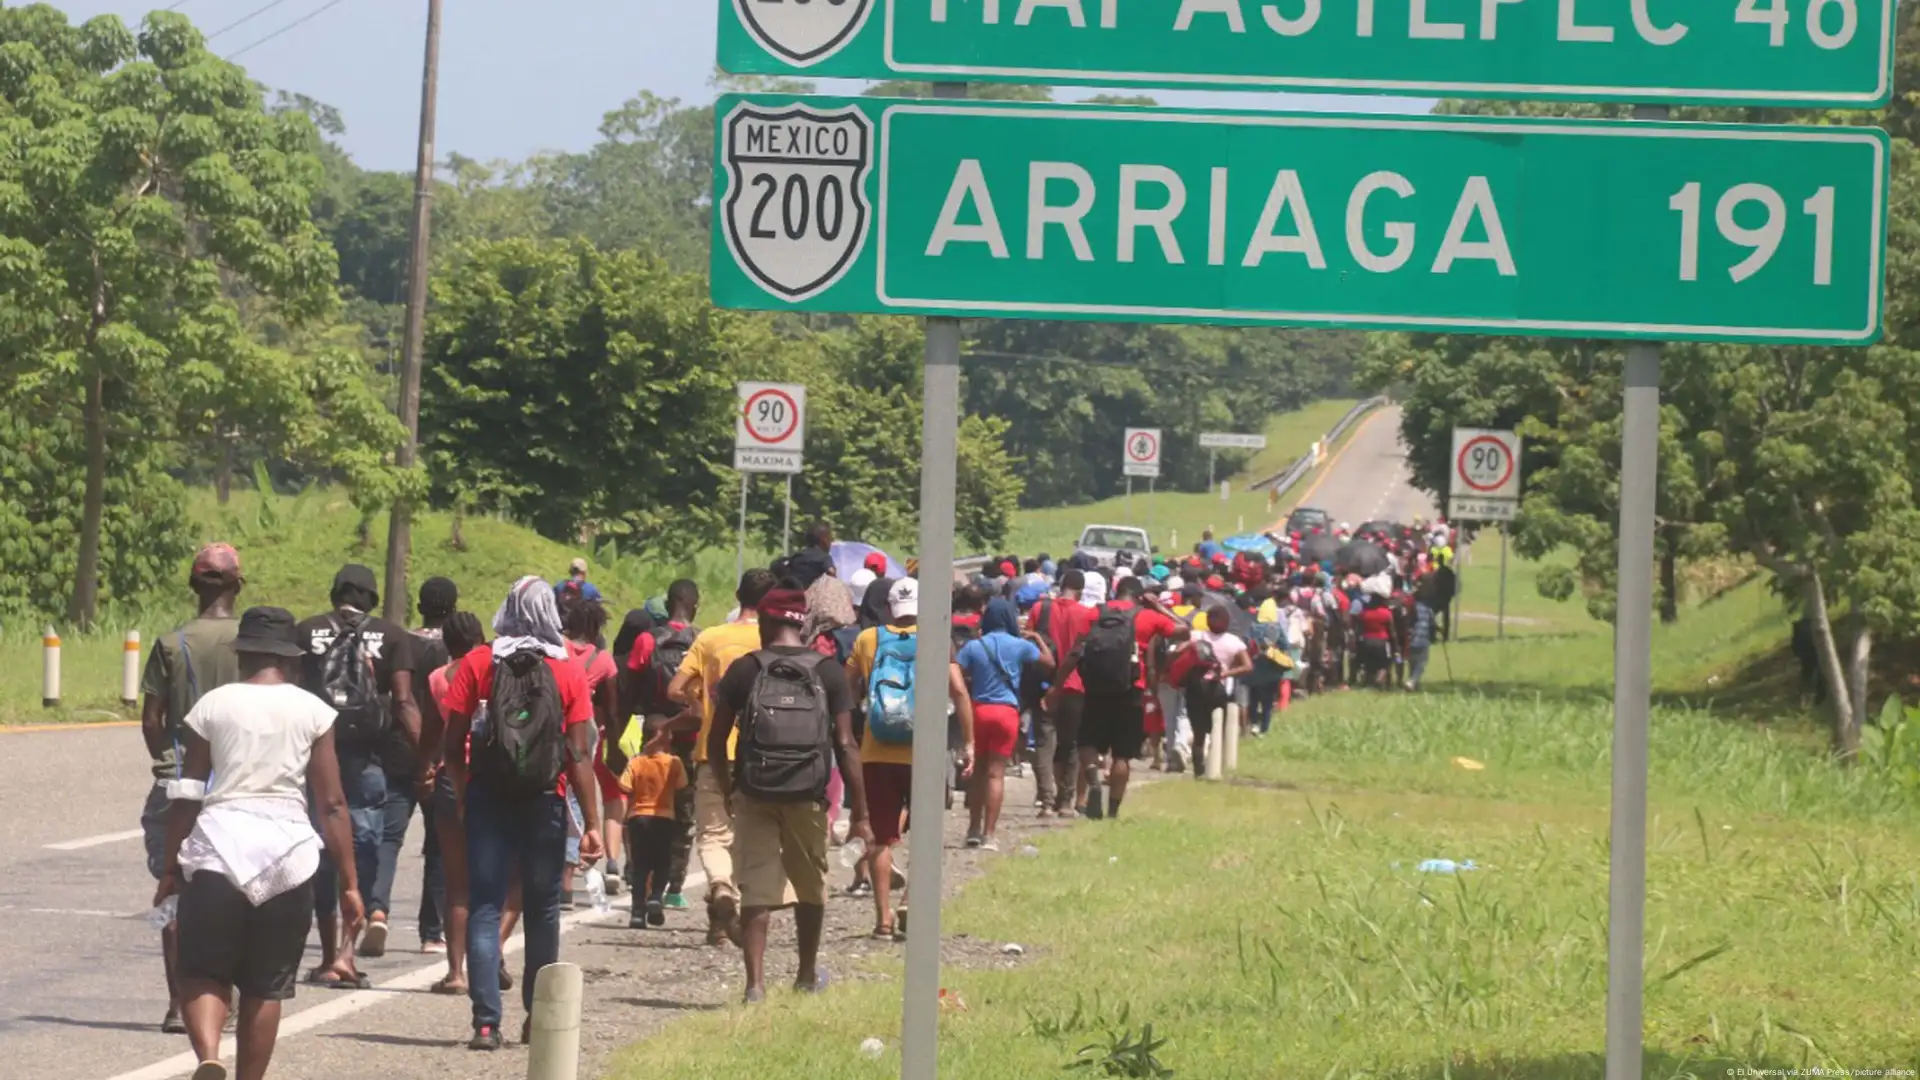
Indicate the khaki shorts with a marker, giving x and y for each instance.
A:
(777, 844)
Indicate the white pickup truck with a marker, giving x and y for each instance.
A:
(1109, 543)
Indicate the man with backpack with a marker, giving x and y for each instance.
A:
(362, 666)
(193, 658)
(793, 711)
(530, 718)
(651, 666)
(1111, 663)
(439, 597)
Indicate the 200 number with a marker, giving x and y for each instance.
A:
(825, 209)
(1762, 242)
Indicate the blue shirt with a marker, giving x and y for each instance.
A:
(586, 589)
(1209, 548)
(992, 665)
(1422, 635)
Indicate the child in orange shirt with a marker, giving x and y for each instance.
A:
(650, 782)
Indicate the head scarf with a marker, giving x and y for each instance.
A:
(829, 607)
(637, 622)
(528, 619)
(1001, 617)
(1095, 593)
(875, 607)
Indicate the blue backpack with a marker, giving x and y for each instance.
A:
(890, 688)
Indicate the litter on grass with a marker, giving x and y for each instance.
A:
(1445, 866)
(1469, 764)
(872, 1049)
(1013, 949)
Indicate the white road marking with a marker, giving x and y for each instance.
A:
(78, 913)
(358, 1000)
(95, 841)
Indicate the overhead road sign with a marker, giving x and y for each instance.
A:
(1719, 232)
(1221, 440)
(1735, 52)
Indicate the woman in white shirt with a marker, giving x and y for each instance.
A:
(241, 848)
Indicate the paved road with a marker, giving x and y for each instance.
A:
(1369, 478)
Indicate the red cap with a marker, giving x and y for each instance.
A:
(216, 560)
(877, 563)
(1216, 582)
(1007, 569)
(785, 605)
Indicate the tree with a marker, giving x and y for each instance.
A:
(144, 177)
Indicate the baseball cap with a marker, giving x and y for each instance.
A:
(268, 630)
(784, 605)
(577, 566)
(216, 560)
(877, 563)
(904, 599)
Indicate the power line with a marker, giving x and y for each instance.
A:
(248, 17)
(302, 20)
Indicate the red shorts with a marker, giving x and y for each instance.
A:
(887, 790)
(1153, 719)
(996, 730)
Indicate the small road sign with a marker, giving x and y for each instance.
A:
(1219, 440)
(1486, 475)
(770, 432)
(1712, 232)
(1141, 452)
(1757, 52)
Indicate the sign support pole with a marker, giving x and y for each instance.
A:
(1213, 456)
(1500, 622)
(1152, 483)
(1129, 500)
(939, 468)
(740, 557)
(1632, 700)
(786, 526)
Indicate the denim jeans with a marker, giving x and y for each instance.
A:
(505, 835)
(395, 815)
(433, 880)
(1417, 658)
(366, 790)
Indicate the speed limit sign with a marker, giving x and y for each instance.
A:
(770, 430)
(1486, 475)
(1141, 452)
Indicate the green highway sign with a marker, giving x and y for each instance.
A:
(1451, 224)
(1740, 52)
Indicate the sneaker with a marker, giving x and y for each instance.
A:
(171, 1024)
(989, 845)
(656, 913)
(675, 902)
(637, 919)
(973, 841)
(860, 888)
(723, 920)
(373, 943)
(436, 948)
(210, 1070)
(614, 880)
(485, 1037)
(755, 996)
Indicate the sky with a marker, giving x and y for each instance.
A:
(516, 76)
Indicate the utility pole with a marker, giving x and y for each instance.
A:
(399, 524)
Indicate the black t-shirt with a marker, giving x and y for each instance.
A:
(388, 646)
(737, 684)
(810, 566)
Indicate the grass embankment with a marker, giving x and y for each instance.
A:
(1278, 927)
(1183, 514)
(290, 548)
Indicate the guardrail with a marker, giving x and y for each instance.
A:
(1279, 482)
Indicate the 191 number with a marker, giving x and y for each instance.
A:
(1762, 242)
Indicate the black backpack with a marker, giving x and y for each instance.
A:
(785, 753)
(670, 647)
(1110, 653)
(349, 683)
(523, 748)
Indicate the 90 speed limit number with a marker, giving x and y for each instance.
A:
(1486, 464)
(795, 216)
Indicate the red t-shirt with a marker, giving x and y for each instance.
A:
(1376, 623)
(473, 681)
(1067, 622)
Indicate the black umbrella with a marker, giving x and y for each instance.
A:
(1318, 548)
(1239, 620)
(1361, 557)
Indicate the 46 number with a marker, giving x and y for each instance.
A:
(1762, 242)
(1775, 18)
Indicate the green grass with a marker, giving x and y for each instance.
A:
(1278, 928)
(1175, 519)
(291, 547)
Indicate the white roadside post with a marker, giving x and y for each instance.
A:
(1215, 752)
(50, 668)
(1632, 701)
(939, 450)
(130, 669)
(1230, 745)
(558, 992)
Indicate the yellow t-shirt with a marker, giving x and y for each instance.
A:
(859, 671)
(713, 652)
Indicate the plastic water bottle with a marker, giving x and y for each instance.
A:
(597, 890)
(852, 852)
(162, 917)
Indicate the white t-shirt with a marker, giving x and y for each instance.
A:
(262, 737)
(1227, 648)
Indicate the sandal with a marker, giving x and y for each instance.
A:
(506, 977)
(357, 981)
(449, 986)
(883, 932)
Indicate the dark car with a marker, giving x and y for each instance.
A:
(1305, 519)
